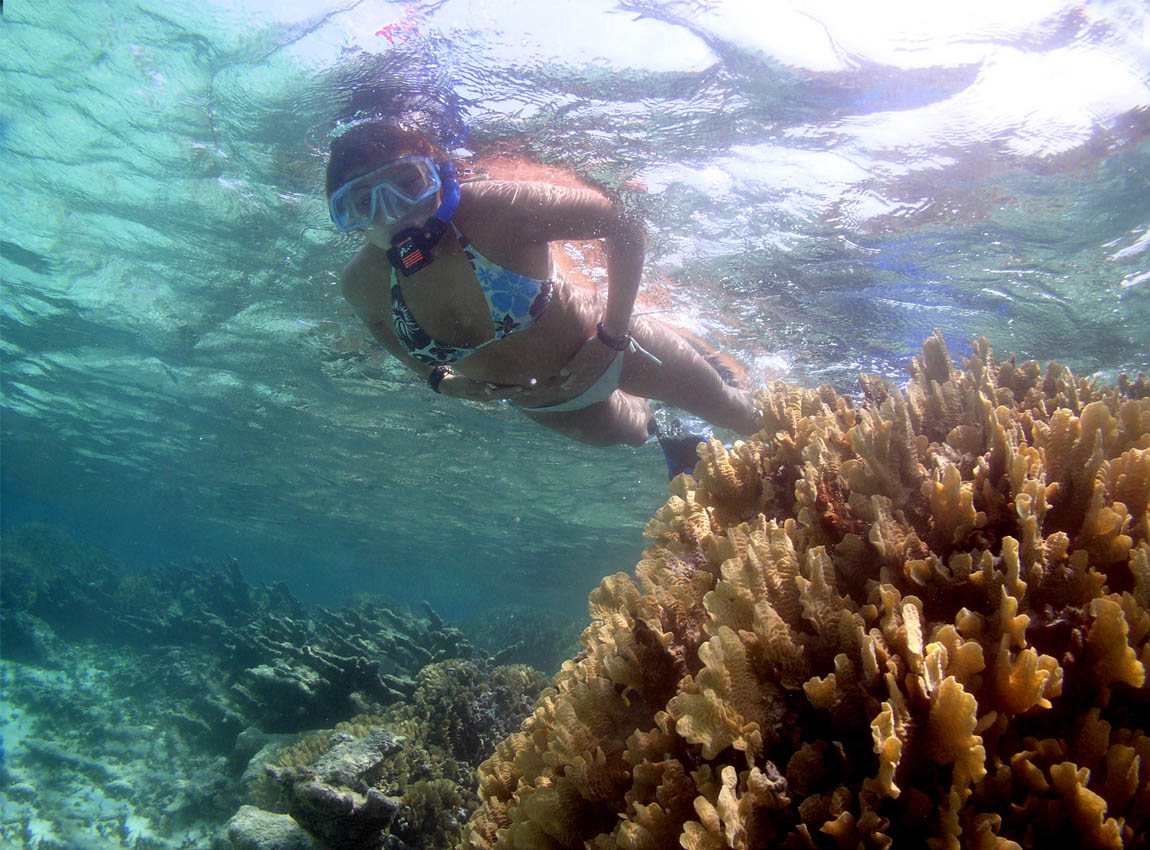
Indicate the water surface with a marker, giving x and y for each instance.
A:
(824, 183)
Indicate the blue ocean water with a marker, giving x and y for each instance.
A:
(823, 183)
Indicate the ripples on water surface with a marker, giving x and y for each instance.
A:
(824, 183)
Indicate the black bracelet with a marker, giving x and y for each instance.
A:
(619, 343)
(436, 376)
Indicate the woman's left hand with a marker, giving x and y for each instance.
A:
(587, 366)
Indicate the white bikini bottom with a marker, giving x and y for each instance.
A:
(601, 390)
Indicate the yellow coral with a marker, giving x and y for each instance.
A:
(1112, 658)
(922, 622)
(889, 729)
(1087, 809)
(736, 819)
(951, 723)
(734, 475)
(725, 706)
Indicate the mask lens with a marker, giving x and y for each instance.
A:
(389, 206)
(359, 203)
(410, 180)
(351, 207)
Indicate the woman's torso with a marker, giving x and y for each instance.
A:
(448, 303)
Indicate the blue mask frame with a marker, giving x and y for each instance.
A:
(389, 193)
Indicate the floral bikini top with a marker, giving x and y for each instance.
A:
(515, 301)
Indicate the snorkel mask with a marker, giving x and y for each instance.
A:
(393, 192)
(385, 195)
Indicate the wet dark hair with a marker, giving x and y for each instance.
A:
(369, 145)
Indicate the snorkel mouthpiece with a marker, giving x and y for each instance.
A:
(411, 248)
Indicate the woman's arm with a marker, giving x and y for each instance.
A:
(537, 213)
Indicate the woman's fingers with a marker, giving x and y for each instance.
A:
(572, 381)
(495, 392)
(586, 366)
(584, 374)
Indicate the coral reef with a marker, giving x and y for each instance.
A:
(333, 799)
(921, 621)
(132, 702)
(462, 710)
(422, 754)
(278, 666)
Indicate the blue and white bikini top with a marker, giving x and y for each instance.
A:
(515, 301)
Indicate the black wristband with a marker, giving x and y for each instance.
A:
(436, 376)
(619, 343)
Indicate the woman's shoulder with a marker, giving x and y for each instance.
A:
(361, 276)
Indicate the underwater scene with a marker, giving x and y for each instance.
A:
(280, 567)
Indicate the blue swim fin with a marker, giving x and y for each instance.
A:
(680, 453)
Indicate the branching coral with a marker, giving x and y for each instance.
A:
(922, 621)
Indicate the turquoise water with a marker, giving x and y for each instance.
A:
(200, 441)
(824, 183)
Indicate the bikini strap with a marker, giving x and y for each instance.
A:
(634, 346)
(465, 244)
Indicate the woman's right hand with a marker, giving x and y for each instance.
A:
(455, 385)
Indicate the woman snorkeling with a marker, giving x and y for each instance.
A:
(459, 283)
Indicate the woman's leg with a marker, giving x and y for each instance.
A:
(621, 418)
(684, 379)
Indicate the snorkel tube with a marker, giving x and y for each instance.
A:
(450, 179)
(411, 248)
